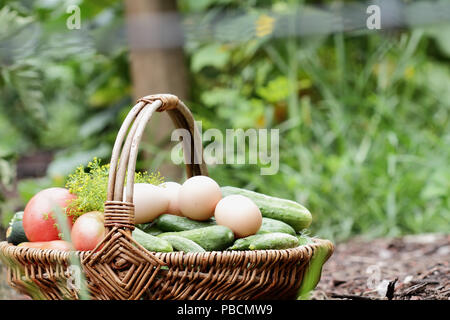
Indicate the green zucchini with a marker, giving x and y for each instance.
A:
(173, 223)
(213, 238)
(18, 216)
(151, 243)
(183, 244)
(290, 212)
(276, 240)
(15, 233)
(272, 225)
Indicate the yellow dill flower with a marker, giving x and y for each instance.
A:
(90, 185)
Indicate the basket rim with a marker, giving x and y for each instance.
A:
(5, 246)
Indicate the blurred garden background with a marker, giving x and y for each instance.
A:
(363, 114)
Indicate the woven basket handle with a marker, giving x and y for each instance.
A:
(119, 211)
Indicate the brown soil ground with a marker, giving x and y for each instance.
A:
(412, 267)
(408, 268)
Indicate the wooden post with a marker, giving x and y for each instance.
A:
(157, 66)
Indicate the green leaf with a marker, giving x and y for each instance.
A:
(96, 123)
(437, 186)
(219, 96)
(18, 36)
(276, 90)
(213, 55)
(26, 80)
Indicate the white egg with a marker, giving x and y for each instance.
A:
(172, 190)
(240, 214)
(198, 197)
(150, 201)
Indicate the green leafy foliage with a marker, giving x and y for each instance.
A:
(55, 85)
(363, 120)
(363, 116)
(90, 185)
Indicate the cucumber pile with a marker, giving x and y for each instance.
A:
(283, 225)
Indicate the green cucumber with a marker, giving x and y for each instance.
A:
(243, 243)
(213, 238)
(183, 244)
(152, 229)
(290, 212)
(303, 240)
(272, 225)
(151, 243)
(276, 240)
(173, 223)
(15, 233)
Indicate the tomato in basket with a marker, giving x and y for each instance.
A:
(38, 220)
(88, 231)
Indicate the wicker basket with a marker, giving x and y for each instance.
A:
(122, 269)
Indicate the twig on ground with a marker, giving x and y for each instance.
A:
(414, 289)
(351, 296)
(391, 288)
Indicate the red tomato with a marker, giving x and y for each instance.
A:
(88, 231)
(55, 245)
(38, 221)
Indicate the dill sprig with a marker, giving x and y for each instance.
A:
(90, 185)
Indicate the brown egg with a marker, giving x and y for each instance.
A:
(240, 214)
(172, 190)
(198, 197)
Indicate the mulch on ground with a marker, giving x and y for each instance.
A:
(408, 268)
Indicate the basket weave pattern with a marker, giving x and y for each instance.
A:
(120, 268)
